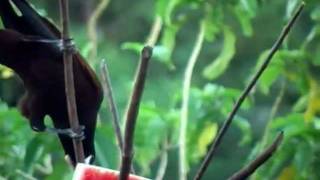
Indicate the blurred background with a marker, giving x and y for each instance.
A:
(232, 39)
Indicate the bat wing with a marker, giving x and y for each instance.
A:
(32, 23)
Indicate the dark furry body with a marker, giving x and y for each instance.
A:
(40, 66)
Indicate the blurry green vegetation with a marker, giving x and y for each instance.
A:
(237, 37)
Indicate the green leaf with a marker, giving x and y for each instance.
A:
(213, 21)
(303, 157)
(272, 72)
(245, 128)
(221, 63)
(61, 171)
(250, 6)
(293, 125)
(151, 130)
(159, 52)
(291, 7)
(107, 152)
(315, 14)
(86, 49)
(33, 153)
(200, 134)
(165, 9)
(134, 46)
(168, 41)
(301, 104)
(6, 72)
(244, 15)
(206, 137)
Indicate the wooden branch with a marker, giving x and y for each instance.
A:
(68, 48)
(132, 112)
(248, 170)
(244, 94)
(107, 88)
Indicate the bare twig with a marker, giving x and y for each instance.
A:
(183, 167)
(278, 100)
(92, 27)
(245, 93)
(107, 88)
(163, 161)
(155, 32)
(132, 112)
(261, 159)
(273, 112)
(69, 80)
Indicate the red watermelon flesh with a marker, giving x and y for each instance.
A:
(90, 172)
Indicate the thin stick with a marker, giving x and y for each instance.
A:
(92, 27)
(163, 161)
(183, 166)
(107, 88)
(69, 80)
(245, 93)
(273, 112)
(261, 159)
(155, 32)
(132, 112)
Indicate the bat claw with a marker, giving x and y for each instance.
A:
(89, 159)
(69, 45)
(68, 132)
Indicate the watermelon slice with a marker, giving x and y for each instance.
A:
(90, 172)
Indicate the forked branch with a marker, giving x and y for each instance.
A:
(132, 112)
(245, 93)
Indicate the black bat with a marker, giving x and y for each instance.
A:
(29, 45)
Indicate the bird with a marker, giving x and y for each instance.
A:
(30, 45)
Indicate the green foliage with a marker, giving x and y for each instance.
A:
(298, 156)
(151, 132)
(24, 153)
(299, 149)
(220, 64)
(209, 107)
(237, 35)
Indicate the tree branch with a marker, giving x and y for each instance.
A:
(107, 88)
(68, 48)
(260, 160)
(245, 93)
(132, 112)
